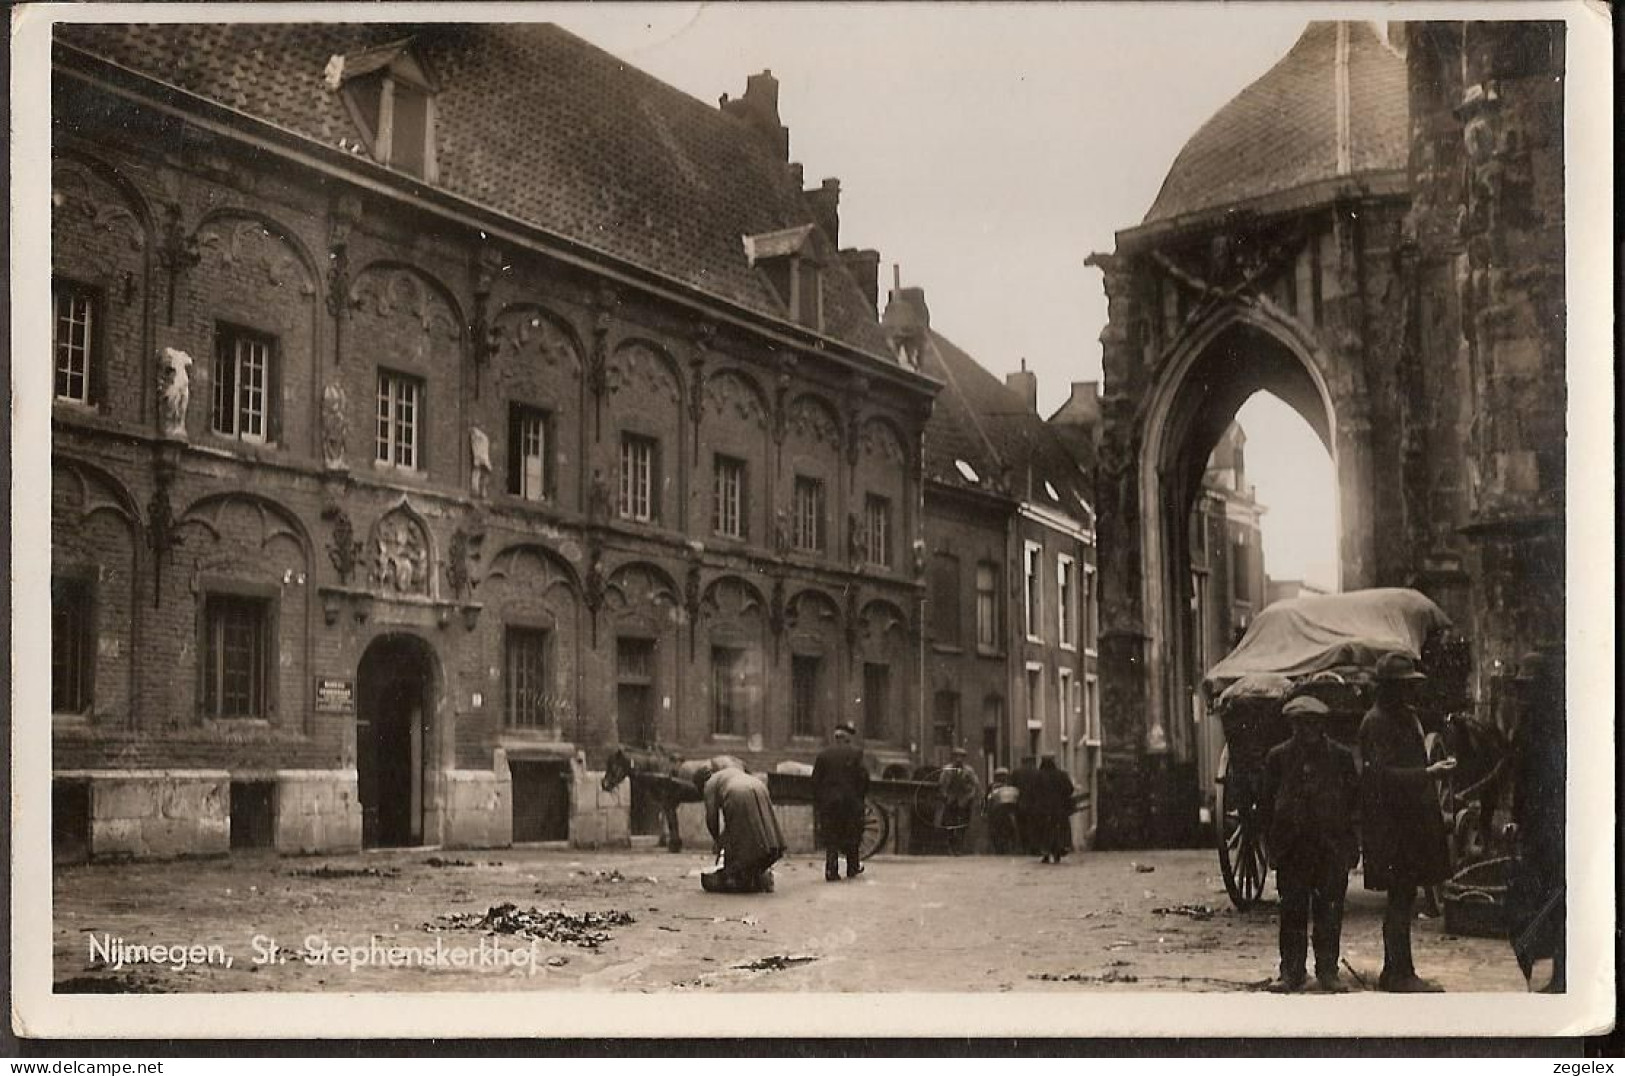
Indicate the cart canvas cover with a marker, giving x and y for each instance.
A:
(1301, 636)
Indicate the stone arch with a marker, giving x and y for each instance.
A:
(731, 393)
(517, 325)
(73, 177)
(250, 227)
(276, 522)
(880, 618)
(637, 356)
(1240, 348)
(85, 479)
(732, 597)
(387, 288)
(812, 602)
(550, 571)
(880, 436)
(640, 585)
(815, 419)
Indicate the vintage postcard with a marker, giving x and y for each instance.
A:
(987, 519)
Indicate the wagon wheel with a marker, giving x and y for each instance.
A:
(876, 829)
(1242, 858)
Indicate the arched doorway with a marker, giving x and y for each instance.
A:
(394, 714)
(1236, 355)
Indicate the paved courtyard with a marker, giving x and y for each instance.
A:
(1100, 922)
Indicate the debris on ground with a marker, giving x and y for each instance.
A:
(436, 861)
(588, 930)
(674, 930)
(776, 962)
(1144, 868)
(1111, 976)
(106, 984)
(344, 872)
(1199, 912)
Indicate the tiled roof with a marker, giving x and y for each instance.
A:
(976, 418)
(1282, 132)
(537, 124)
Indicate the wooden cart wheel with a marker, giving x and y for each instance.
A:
(1242, 858)
(876, 829)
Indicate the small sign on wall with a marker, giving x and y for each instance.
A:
(335, 695)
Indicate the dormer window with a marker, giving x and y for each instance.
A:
(391, 99)
(789, 261)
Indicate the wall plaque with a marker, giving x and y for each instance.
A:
(335, 696)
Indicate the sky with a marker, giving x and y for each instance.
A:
(986, 151)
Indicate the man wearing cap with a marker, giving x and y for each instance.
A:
(1537, 904)
(840, 780)
(739, 815)
(1400, 821)
(957, 793)
(1311, 793)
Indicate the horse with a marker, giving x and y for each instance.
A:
(661, 776)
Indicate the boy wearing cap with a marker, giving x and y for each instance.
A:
(1311, 794)
(1406, 846)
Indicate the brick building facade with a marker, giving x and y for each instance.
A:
(1011, 621)
(436, 406)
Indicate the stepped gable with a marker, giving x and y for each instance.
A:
(536, 124)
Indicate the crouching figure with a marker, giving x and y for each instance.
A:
(739, 814)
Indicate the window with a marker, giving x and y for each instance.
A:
(1239, 591)
(728, 688)
(75, 326)
(1063, 695)
(876, 692)
(877, 530)
(1091, 709)
(639, 463)
(945, 599)
(945, 719)
(527, 680)
(1035, 697)
(529, 442)
(400, 417)
(392, 103)
(728, 497)
(635, 690)
(1066, 598)
(242, 368)
(1091, 611)
(804, 695)
(987, 606)
(808, 523)
(1034, 590)
(72, 645)
(236, 655)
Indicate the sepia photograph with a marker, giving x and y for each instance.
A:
(983, 518)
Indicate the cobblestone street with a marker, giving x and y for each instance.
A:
(1101, 922)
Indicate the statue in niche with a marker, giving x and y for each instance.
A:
(335, 427)
(401, 555)
(174, 391)
(479, 451)
(599, 504)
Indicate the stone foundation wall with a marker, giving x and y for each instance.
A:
(317, 811)
(598, 819)
(160, 814)
(477, 806)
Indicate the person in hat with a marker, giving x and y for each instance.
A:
(1401, 825)
(1025, 779)
(1537, 901)
(1307, 811)
(840, 780)
(1003, 800)
(739, 815)
(957, 793)
(1052, 809)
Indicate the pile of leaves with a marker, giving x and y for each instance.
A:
(1199, 912)
(344, 872)
(1111, 976)
(588, 930)
(776, 962)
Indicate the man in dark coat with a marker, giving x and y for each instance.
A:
(1026, 822)
(1052, 809)
(840, 781)
(1537, 899)
(1307, 809)
(1400, 820)
(957, 793)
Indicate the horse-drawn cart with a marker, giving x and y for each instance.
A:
(1326, 646)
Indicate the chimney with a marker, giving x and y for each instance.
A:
(1082, 408)
(760, 108)
(825, 202)
(906, 322)
(1024, 383)
(864, 265)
